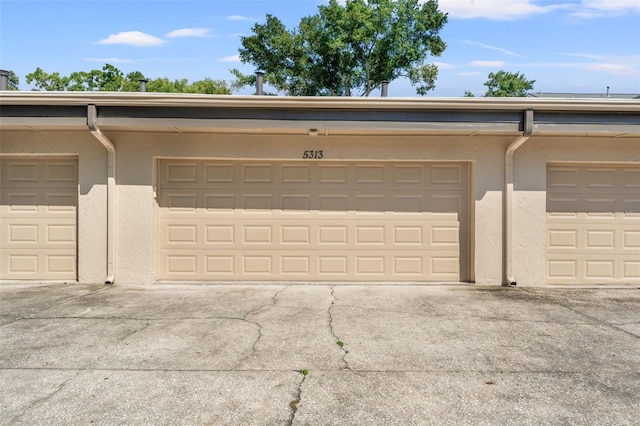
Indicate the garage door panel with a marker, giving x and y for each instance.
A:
(593, 237)
(322, 265)
(314, 234)
(592, 269)
(312, 221)
(36, 173)
(38, 223)
(593, 228)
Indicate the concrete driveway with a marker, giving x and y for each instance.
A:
(318, 355)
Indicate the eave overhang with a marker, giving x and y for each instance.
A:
(153, 112)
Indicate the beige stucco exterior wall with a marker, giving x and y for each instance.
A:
(136, 206)
(529, 214)
(92, 171)
(136, 257)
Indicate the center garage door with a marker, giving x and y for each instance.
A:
(38, 203)
(593, 224)
(312, 221)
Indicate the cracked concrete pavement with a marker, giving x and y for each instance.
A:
(269, 355)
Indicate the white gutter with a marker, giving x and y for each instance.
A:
(111, 191)
(507, 204)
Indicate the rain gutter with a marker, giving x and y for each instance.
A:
(507, 204)
(111, 190)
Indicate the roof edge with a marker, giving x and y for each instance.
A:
(316, 102)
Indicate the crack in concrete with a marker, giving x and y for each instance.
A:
(145, 325)
(337, 340)
(297, 397)
(274, 302)
(38, 402)
(254, 345)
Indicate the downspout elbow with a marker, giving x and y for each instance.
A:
(509, 279)
(111, 190)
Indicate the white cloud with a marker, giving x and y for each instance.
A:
(444, 65)
(110, 60)
(592, 56)
(233, 58)
(612, 5)
(495, 9)
(488, 64)
(189, 32)
(132, 38)
(615, 69)
(589, 9)
(239, 18)
(614, 65)
(488, 46)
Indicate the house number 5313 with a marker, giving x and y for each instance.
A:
(313, 155)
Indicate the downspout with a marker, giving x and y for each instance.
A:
(111, 191)
(507, 204)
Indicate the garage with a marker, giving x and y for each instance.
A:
(38, 219)
(593, 223)
(317, 220)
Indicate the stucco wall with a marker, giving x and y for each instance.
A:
(136, 258)
(136, 206)
(92, 172)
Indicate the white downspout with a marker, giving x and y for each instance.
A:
(111, 191)
(507, 204)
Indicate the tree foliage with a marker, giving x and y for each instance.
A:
(111, 79)
(13, 81)
(347, 49)
(505, 84)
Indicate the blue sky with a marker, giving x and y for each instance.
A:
(565, 45)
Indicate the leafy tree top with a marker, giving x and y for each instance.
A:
(347, 49)
(111, 79)
(508, 84)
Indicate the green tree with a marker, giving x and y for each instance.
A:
(48, 82)
(14, 81)
(347, 49)
(112, 79)
(505, 84)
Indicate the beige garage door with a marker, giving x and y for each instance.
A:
(38, 199)
(314, 221)
(593, 224)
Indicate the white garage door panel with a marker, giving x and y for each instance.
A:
(38, 218)
(593, 224)
(312, 221)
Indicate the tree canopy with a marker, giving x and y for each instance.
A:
(13, 81)
(111, 79)
(505, 84)
(349, 49)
